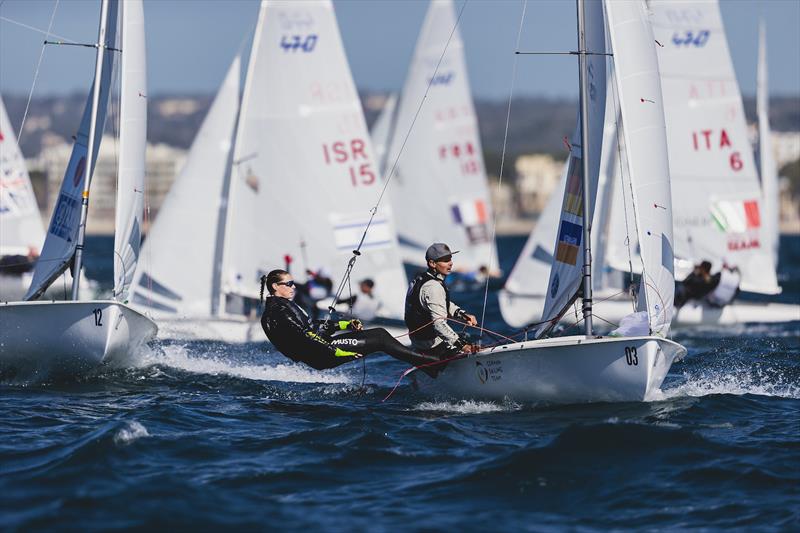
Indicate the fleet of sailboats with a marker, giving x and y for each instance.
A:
(72, 335)
(283, 173)
(722, 213)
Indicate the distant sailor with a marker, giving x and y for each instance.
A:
(366, 303)
(317, 344)
(428, 307)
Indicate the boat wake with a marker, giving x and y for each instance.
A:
(219, 361)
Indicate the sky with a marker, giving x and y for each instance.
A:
(190, 43)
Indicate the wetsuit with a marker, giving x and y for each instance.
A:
(291, 331)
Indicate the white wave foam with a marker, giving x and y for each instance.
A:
(467, 407)
(736, 384)
(132, 431)
(181, 357)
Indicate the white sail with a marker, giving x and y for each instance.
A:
(641, 106)
(21, 229)
(566, 274)
(719, 214)
(382, 129)
(769, 174)
(439, 190)
(61, 239)
(132, 146)
(177, 267)
(304, 177)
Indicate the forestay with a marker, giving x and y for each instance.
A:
(132, 146)
(62, 234)
(304, 177)
(566, 274)
(719, 214)
(639, 88)
(439, 189)
(769, 174)
(187, 223)
(21, 229)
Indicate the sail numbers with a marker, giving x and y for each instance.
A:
(350, 153)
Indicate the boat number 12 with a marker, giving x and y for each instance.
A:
(98, 319)
(630, 356)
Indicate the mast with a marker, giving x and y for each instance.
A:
(98, 71)
(587, 232)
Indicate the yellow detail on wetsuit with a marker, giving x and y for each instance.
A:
(339, 351)
(344, 353)
(343, 324)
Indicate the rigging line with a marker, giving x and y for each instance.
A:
(48, 33)
(36, 73)
(388, 178)
(492, 241)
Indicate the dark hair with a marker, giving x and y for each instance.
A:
(368, 282)
(706, 266)
(274, 277)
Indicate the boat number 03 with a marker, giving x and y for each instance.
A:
(98, 318)
(630, 356)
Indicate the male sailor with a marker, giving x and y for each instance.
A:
(428, 308)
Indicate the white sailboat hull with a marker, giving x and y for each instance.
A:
(70, 336)
(562, 370)
(520, 310)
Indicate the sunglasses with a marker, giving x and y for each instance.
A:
(289, 283)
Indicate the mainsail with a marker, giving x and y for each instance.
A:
(62, 234)
(304, 176)
(566, 274)
(442, 161)
(642, 110)
(187, 224)
(719, 212)
(21, 227)
(133, 143)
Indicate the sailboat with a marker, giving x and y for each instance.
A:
(442, 158)
(286, 176)
(21, 229)
(73, 335)
(586, 367)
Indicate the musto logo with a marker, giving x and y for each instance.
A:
(481, 372)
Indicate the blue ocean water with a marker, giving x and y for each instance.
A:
(210, 436)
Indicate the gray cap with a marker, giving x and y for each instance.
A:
(438, 250)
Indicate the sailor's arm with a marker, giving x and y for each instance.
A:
(432, 297)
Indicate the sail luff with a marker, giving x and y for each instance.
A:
(133, 146)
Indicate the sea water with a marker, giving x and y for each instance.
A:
(210, 435)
